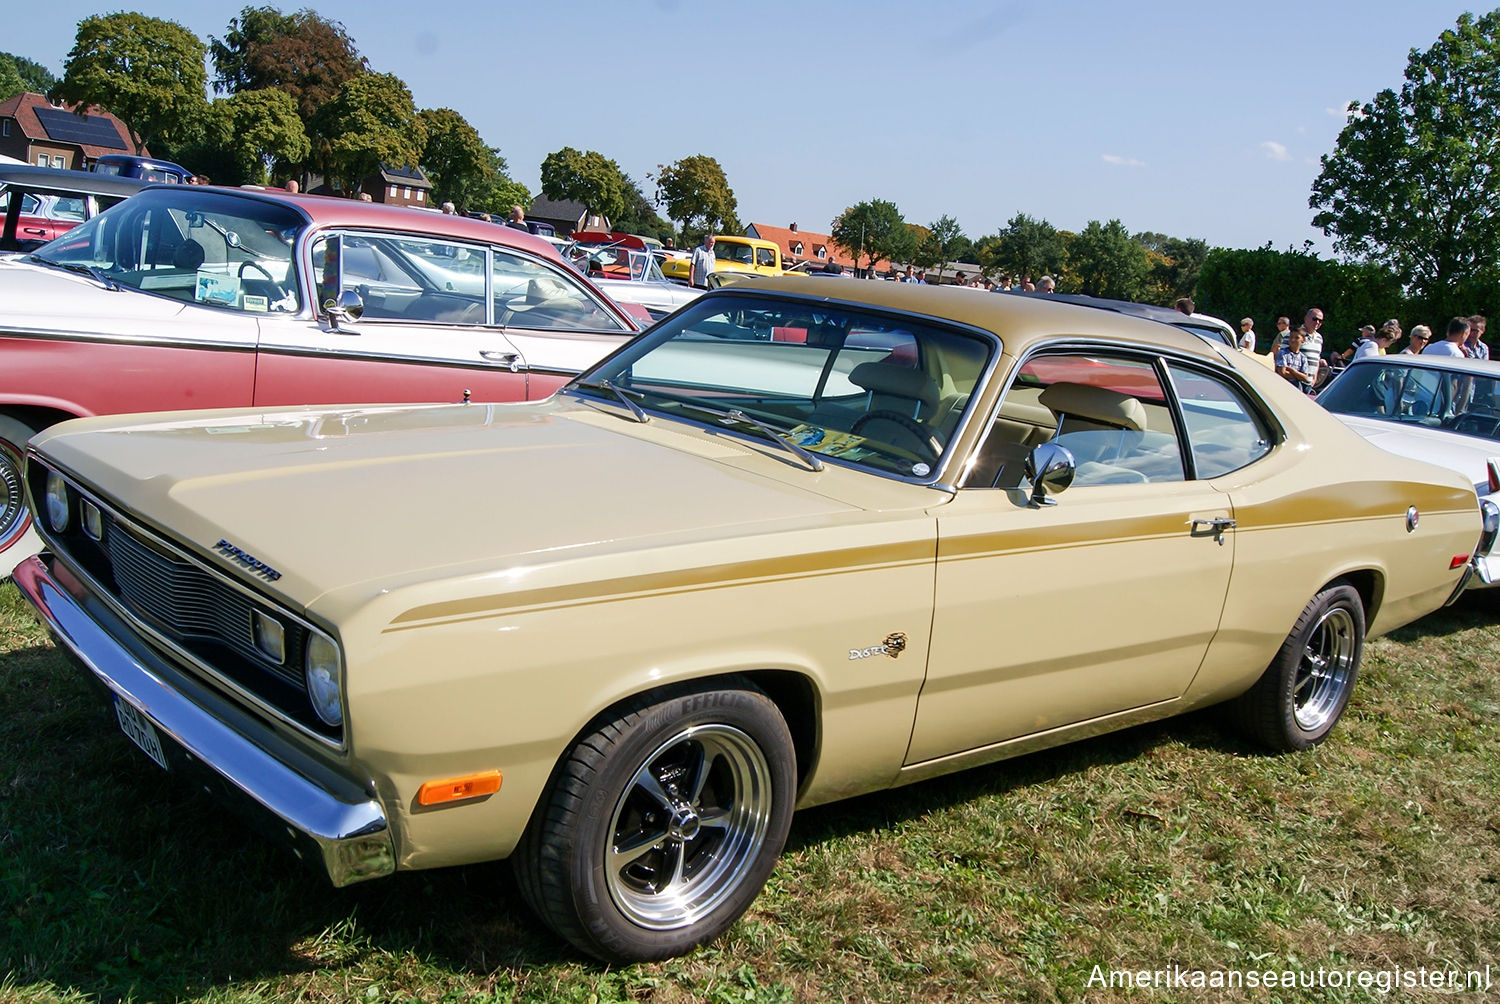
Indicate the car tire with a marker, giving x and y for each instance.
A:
(14, 517)
(1303, 692)
(663, 823)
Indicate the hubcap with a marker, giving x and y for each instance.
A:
(13, 515)
(688, 827)
(1325, 670)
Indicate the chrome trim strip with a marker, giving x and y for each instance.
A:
(352, 839)
(161, 640)
(95, 335)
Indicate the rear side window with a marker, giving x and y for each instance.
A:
(1223, 431)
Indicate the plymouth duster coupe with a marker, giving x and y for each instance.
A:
(789, 546)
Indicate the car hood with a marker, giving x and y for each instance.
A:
(381, 497)
(1468, 455)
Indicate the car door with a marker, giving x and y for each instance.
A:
(424, 334)
(1106, 601)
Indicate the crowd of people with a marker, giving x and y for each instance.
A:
(1299, 353)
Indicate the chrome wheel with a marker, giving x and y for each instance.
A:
(1326, 670)
(688, 827)
(14, 518)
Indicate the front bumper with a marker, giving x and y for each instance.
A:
(331, 822)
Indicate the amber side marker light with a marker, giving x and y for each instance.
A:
(1459, 561)
(456, 789)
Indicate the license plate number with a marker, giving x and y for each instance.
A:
(141, 732)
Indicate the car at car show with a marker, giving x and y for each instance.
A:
(1441, 409)
(735, 256)
(627, 271)
(210, 298)
(790, 545)
(39, 203)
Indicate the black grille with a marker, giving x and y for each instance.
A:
(186, 603)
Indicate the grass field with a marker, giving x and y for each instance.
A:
(1173, 844)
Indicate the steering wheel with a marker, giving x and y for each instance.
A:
(927, 445)
(280, 293)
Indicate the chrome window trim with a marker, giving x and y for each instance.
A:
(157, 638)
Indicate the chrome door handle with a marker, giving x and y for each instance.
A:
(510, 359)
(1218, 525)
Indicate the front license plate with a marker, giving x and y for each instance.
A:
(140, 731)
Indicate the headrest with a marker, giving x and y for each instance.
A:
(1096, 404)
(898, 381)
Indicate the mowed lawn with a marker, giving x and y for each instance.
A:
(1173, 844)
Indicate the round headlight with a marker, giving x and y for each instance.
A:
(57, 502)
(323, 678)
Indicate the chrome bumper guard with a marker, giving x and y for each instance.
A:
(344, 832)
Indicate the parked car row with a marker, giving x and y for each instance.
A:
(617, 604)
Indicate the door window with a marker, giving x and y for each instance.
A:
(529, 294)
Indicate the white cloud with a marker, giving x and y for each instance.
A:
(1110, 158)
(1275, 150)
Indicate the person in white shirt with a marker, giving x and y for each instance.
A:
(1376, 344)
(1420, 336)
(1247, 334)
(701, 265)
(1312, 338)
(1458, 332)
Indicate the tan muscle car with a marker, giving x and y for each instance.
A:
(788, 546)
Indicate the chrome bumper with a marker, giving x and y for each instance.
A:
(332, 823)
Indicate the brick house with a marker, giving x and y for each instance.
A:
(399, 186)
(35, 131)
(799, 245)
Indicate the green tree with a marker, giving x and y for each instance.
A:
(260, 129)
(456, 160)
(942, 242)
(695, 192)
(11, 83)
(589, 177)
(873, 231)
(35, 77)
(1108, 262)
(147, 71)
(640, 216)
(1026, 246)
(1411, 181)
(1175, 264)
(371, 121)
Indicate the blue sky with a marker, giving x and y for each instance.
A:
(1195, 119)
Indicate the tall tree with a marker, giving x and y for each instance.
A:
(873, 231)
(149, 72)
(1027, 246)
(640, 216)
(944, 241)
(304, 54)
(11, 83)
(695, 192)
(588, 177)
(34, 76)
(1411, 180)
(456, 160)
(372, 121)
(1175, 264)
(259, 129)
(1108, 262)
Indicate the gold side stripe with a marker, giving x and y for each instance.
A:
(884, 556)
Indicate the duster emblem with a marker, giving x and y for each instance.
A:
(893, 646)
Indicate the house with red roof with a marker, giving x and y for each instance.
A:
(34, 130)
(798, 245)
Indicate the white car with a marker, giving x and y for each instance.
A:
(1441, 409)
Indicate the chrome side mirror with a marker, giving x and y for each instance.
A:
(1050, 469)
(348, 308)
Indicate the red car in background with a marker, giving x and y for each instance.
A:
(202, 297)
(39, 203)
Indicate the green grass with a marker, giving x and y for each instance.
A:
(1169, 844)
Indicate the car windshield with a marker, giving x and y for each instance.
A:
(203, 247)
(873, 390)
(1463, 402)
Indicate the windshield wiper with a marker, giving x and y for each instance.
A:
(92, 271)
(635, 409)
(734, 416)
